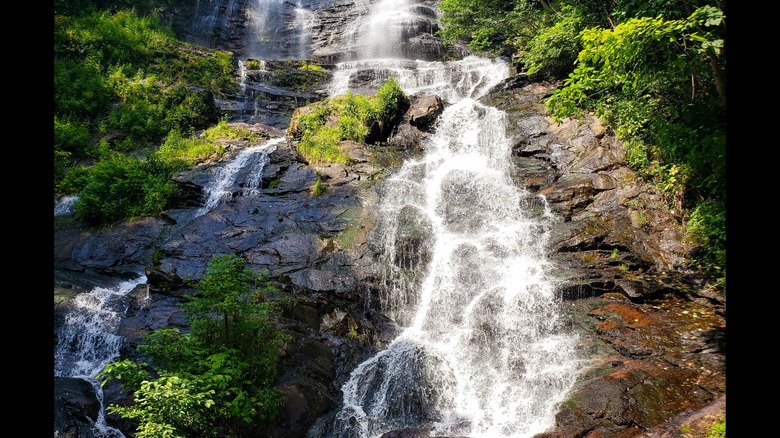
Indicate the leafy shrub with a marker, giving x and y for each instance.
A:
(706, 227)
(120, 187)
(322, 146)
(124, 78)
(658, 83)
(322, 125)
(189, 150)
(486, 26)
(80, 91)
(718, 429)
(223, 130)
(388, 99)
(218, 380)
(554, 49)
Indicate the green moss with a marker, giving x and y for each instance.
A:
(572, 402)
(224, 131)
(321, 126)
(718, 429)
(318, 188)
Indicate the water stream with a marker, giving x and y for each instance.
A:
(279, 30)
(248, 162)
(482, 351)
(88, 339)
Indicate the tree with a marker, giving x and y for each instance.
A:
(218, 379)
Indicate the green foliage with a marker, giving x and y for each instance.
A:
(169, 406)
(488, 26)
(80, 91)
(119, 187)
(71, 135)
(188, 150)
(659, 84)
(218, 380)
(322, 146)
(388, 100)
(718, 429)
(554, 49)
(224, 131)
(707, 227)
(299, 76)
(123, 82)
(322, 125)
(252, 64)
(318, 188)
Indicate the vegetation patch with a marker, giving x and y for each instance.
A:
(125, 87)
(654, 73)
(320, 126)
(218, 379)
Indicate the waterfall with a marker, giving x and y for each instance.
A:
(212, 20)
(88, 339)
(249, 161)
(389, 29)
(304, 21)
(279, 30)
(64, 205)
(483, 351)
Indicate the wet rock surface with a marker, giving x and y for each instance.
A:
(652, 332)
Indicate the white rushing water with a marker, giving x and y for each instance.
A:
(250, 161)
(482, 351)
(387, 28)
(279, 30)
(88, 339)
(64, 205)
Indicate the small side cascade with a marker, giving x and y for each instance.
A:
(303, 22)
(280, 30)
(64, 205)
(250, 161)
(88, 339)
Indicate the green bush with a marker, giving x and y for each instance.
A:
(658, 83)
(125, 79)
(218, 380)
(486, 26)
(189, 150)
(706, 227)
(553, 50)
(223, 131)
(718, 429)
(322, 125)
(80, 90)
(120, 187)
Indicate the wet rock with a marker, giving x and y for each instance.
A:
(424, 110)
(76, 407)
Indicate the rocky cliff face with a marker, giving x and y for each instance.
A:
(652, 331)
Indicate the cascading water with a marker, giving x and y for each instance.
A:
(389, 29)
(482, 351)
(250, 162)
(280, 30)
(64, 205)
(212, 20)
(88, 339)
